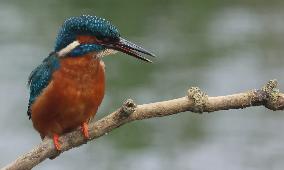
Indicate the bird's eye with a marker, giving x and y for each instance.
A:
(113, 39)
(103, 39)
(106, 39)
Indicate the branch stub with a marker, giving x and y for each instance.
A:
(273, 94)
(128, 107)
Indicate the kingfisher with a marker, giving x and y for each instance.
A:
(67, 88)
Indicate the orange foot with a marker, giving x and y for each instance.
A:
(85, 131)
(56, 142)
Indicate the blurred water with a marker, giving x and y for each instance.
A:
(221, 47)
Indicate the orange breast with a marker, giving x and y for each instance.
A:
(72, 97)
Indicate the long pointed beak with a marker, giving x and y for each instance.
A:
(130, 48)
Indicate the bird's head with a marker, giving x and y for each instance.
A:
(90, 34)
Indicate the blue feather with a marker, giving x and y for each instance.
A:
(84, 25)
(40, 78)
(84, 49)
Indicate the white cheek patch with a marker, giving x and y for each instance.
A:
(68, 49)
(106, 52)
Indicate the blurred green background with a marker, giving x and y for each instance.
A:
(223, 47)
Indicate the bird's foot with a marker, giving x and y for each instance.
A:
(56, 142)
(85, 130)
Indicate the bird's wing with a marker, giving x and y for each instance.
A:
(40, 78)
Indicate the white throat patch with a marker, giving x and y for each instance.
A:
(106, 52)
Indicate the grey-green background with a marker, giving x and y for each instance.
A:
(223, 47)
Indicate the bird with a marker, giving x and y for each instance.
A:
(68, 87)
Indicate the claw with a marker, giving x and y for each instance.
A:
(56, 142)
(85, 130)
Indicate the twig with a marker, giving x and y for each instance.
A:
(195, 101)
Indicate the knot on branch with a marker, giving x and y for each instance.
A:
(257, 97)
(128, 107)
(199, 99)
(272, 94)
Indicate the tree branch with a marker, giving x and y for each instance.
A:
(195, 101)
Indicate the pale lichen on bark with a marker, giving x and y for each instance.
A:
(199, 98)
